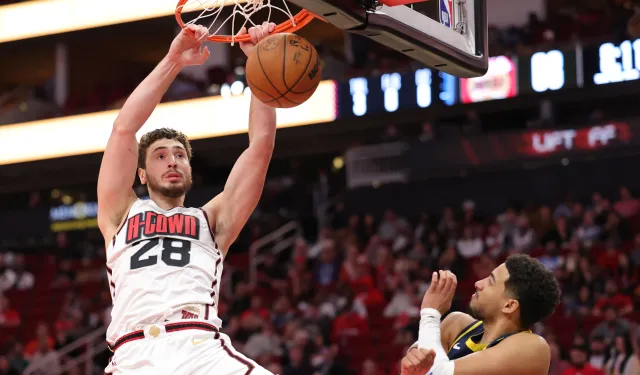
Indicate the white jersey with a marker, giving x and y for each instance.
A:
(162, 264)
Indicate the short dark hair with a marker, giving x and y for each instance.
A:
(535, 288)
(154, 135)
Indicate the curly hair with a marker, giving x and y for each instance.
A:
(162, 133)
(534, 286)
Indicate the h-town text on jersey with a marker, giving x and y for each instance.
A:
(150, 224)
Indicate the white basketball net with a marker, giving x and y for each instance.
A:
(210, 11)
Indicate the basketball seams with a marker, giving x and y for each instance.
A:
(273, 98)
(284, 64)
(303, 74)
(289, 67)
(265, 73)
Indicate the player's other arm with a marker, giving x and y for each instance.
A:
(119, 162)
(521, 354)
(450, 328)
(230, 210)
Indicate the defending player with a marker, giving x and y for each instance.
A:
(164, 261)
(496, 339)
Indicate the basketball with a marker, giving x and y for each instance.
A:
(284, 70)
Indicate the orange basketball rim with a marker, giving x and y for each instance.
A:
(293, 24)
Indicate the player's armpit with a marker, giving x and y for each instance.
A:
(230, 210)
(115, 180)
(520, 354)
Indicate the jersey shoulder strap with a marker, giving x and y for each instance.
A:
(470, 329)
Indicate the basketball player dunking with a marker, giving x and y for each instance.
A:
(164, 261)
(494, 340)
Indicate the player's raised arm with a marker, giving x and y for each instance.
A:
(521, 354)
(230, 210)
(118, 168)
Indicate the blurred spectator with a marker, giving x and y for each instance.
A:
(298, 365)
(469, 214)
(327, 267)
(612, 325)
(469, 246)
(9, 317)
(560, 233)
(582, 305)
(241, 300)
(369, 367)
(494, 241)
(577, 215)
(620, 302)
(623, 360)
(404, 301)
(508, 224)
(563, 209)
(523, 237)
(542, 221)
(275, 368)
(282, 312)
(5, 368)
(272, 273)
(553, 260)
(392, 226)
(598, 352)
(257, 310)
(265, 342)
(614, 229)
(579, 364)
(634, 254)
(558, 365)
(349, 270)
(448, 225)
(349, 324)
(588, 231)
(15, 275)
(423, 228)
(42, 335)
(627, 206)
(45, 361)
(608, 260)
(450, 260)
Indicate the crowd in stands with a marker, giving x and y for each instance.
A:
(348, 301)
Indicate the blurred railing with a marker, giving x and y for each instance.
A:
(277, 241)
(92, 345)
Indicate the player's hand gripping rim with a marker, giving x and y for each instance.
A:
(256, 34)
(186, 49)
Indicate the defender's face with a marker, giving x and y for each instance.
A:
(490, 297)
(168, 171)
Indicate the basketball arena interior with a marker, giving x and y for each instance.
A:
(391, 170)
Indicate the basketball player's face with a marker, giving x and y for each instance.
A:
(168, 171)
(490, 297)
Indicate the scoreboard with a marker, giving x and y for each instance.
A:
(508, 77)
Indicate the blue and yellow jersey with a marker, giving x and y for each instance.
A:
(468, 341)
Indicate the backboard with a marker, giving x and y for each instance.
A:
(449, 35)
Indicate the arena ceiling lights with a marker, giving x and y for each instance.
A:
(36, 18)
(198, 118)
